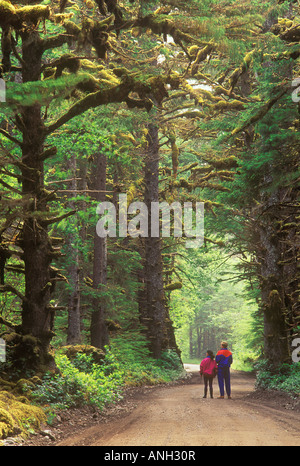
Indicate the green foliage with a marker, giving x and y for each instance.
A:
(284, 378)
(80, 382)
(83, 382)
(140, 368)
(209, 300)
(214, 302)
(43, 92)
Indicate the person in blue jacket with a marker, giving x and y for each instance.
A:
(224, 361)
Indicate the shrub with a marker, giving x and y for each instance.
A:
(285, 377)
(82, 381)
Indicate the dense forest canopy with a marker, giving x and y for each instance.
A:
(164, 101)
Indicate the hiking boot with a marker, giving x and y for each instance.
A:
(220, 397)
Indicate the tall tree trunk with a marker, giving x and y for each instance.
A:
(99, 331)
(154, 313)
(37, 317)
(276, 345)
(74, 319)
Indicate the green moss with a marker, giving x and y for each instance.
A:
(228, 106)
(193, 50)
(72, 28)
(4, 430)
(7, 13)
(17, 415)
(72, 351)
(6, 418)
(33, 13)
(24, 386)
(173, 286)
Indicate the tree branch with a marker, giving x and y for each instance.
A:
(55, 41)
(7, 323)
(49, 221)
(12, 289)
(261, 113)
(11, 138)
(95, 99)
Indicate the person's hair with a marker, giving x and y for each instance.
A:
(210, 354)
(224, 344)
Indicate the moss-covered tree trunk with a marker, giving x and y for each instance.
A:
(154, 313)
(274, 281)
(37, 318)
(74, 318)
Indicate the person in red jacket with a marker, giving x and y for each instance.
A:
(208, 368)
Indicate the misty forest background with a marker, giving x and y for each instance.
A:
(164, 101)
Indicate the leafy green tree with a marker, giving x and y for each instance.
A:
(261, 201)
(221, 74)
(44, 78)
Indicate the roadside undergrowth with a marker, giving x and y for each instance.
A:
(86, 377)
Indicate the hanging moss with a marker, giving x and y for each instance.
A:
(160, 24)
(67, 61)
(72, 28)
(175, 156)
(238, 72)
(173, 286)
(201, 56)
(193, 50)
(94, 33)
(16, 17)
(223, 106)
(225, 163)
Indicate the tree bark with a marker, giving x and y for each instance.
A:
(154, 315)
(74, 319)
(98, 329)
(191, 343)
(37, 316)
(273, 284)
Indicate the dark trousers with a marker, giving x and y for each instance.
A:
(224, 376)
(208, 381)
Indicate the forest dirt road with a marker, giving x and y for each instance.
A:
(179, 416)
